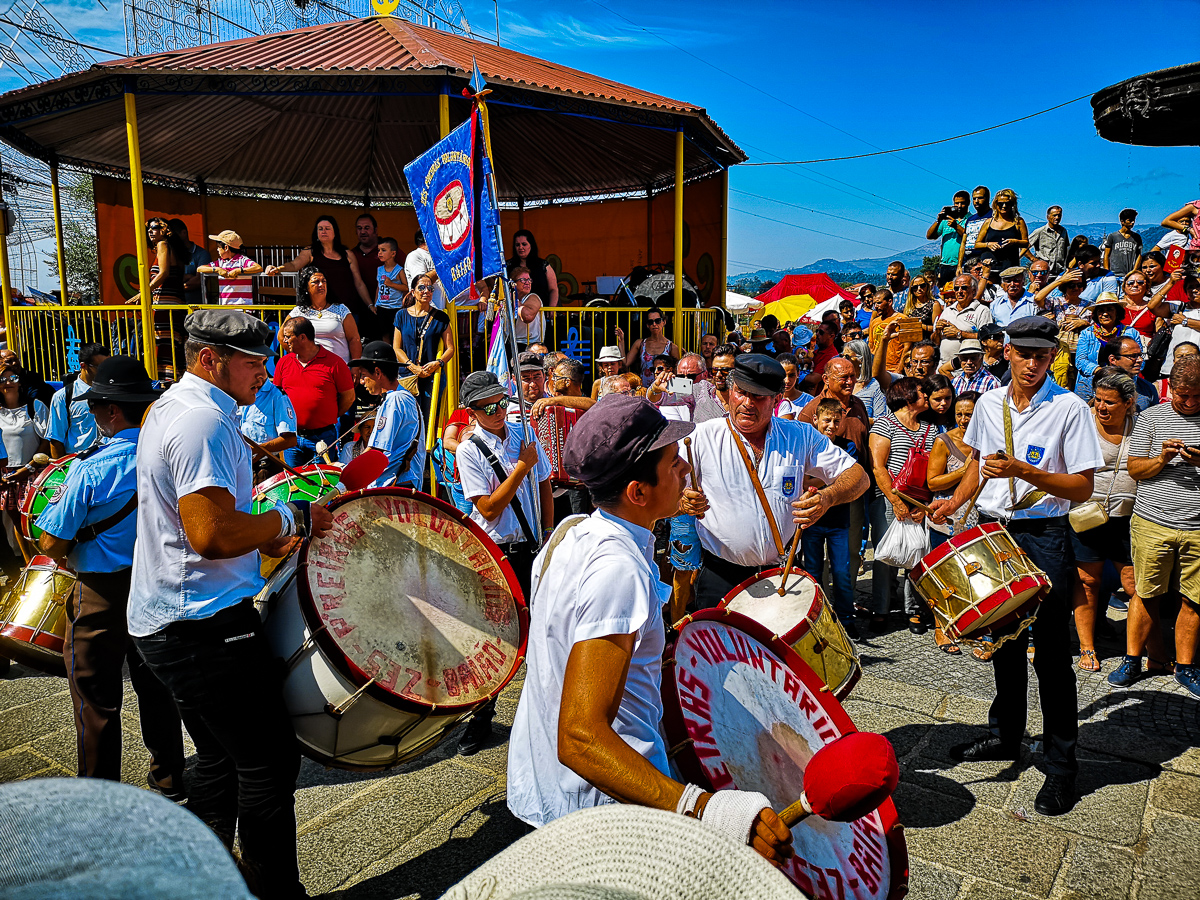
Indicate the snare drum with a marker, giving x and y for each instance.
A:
(397, 624)
(44, 491)
(805, 619)
(980, 582)
(317, 481)
(741, 710)
(33, 616)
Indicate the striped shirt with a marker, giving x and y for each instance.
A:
(1172, 497)
(903, 440)
(235, 291)
(981, 381)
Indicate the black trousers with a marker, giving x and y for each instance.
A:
(718, 577)
(1049, 547)
(228, 686)
(98, 645)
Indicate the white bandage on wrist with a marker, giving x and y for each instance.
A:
(688, 800)
(288, 528)
(733, 812)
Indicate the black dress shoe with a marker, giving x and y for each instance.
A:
(985, 749)
(1057, 796)
(479, 729)
(170, 787)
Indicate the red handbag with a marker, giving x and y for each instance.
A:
(911, 479)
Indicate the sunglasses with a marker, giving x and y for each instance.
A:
(1134, 283)
(661, 369)
(654, 321)
(10, 379)
(490, 409)
(424, 288)
(692, 377)
(722, 369)
(919, 285)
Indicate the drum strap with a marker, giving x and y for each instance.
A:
(91, 532)
(557, 538)
(758, 488)
(501, 475)
(1031, 498)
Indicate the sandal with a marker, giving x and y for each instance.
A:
(1088, 662)
(944, 643)
(982, 655)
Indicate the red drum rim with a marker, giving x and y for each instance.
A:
(939, 553)
(337, 657)
(53, 466)
(965, 625)
(676, 732)
(23, 634)
(260, 489)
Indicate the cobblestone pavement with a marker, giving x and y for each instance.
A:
(971, 829)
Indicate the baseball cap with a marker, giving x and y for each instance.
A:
(614, 435)
(1012, 272)
(230, 328)
(229, 237)
(478, 386)
(528, 361)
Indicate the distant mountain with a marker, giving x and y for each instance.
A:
(852, 271)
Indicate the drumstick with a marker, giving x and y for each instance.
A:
(271, 456)
(918, 504)
(687, 445)
(787, 570)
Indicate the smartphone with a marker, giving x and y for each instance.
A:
(947, 211)
(681, 386)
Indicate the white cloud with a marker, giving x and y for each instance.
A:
(1153, 177)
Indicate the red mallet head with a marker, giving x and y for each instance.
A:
(851, 776)
(363, 469)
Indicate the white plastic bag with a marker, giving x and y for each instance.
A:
(904, 544)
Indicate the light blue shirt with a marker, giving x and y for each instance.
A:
(81, 431)
(190, 441)
(1004, 313)
(1106, 283)
(397, 424)
(389, 297)
(269, 416)
(97, 487)
(1087, 357)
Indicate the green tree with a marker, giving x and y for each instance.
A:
(929, 265)
(80, 250)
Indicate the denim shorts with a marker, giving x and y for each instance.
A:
(685, 543)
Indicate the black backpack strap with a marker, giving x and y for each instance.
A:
(501, 474)
(91, 532)
(69, 387)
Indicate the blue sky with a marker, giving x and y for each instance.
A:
(888, 74)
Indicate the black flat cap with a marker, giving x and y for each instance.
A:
(1037, 332)
(529, 361)
(374, 352)
(123, 379)
(757, 373)
(991, 331)
(614, 435)
(230, 328)
(479, 386)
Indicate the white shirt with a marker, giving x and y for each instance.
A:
(478, 479)
(974, 317)
(327, 326)
(735, 528)
(397, 424)
(22, 434)
(417, 264)
(189, 441)
(602, 580)
(1056, 433)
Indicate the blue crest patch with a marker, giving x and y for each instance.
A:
(789, 485)
(1033, 455)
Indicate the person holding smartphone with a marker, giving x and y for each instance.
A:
(948, 228)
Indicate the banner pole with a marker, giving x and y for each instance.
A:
(509, 323)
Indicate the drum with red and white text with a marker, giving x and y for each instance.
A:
(742, 710)
(397, 624)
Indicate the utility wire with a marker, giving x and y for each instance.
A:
(840, 237)
(807, 162)
(820, 212)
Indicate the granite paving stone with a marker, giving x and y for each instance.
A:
(1098, 872)
(1112, 800)
(1169, 868)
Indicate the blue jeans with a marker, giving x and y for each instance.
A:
(305, 450)
(882, 576)
(813, 543)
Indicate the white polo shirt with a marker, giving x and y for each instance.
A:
(974, 317)
(602, 580)
(190, 440)
(735, 528)
(478, 479)
(1056, 433)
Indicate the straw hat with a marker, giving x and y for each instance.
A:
(624, 852)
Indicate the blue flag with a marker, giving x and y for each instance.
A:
(453, 201)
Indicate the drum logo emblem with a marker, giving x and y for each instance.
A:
(789, 485)
(55, 493)
(1033, 455)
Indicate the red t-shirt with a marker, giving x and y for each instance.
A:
(313, 388)
(368, 264)
(823, 356)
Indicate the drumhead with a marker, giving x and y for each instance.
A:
(410, 598)
(319, 479)
(44, 491)
(743, 711)
(758, 598)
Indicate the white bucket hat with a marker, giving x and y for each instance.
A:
(624, 852)
(609, 354)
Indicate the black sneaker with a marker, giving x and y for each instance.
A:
(1057, 795)
(985, 749)
(851, 630)
(170, 787)
(479, 729)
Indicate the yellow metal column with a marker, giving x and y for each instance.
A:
(452, 378)
(6, 289)
(717, 298)
(139, 230)
(58, 236)
(679, 330)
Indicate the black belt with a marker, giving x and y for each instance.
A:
(731, 572)
(1032, 525)
(516, 547)
(309, 432)
(216, 624)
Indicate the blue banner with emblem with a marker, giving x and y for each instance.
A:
(453, 201)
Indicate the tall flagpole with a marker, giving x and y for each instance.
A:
(509, 324)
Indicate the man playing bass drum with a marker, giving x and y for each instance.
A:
(1036, 450)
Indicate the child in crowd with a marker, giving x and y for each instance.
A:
(832, 531)
(392, 289)
(233, 269)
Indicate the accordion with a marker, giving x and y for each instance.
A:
(553, 426)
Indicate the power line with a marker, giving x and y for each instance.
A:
(819, 212)
(774, 97)
(806, 162)
(839, 237)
